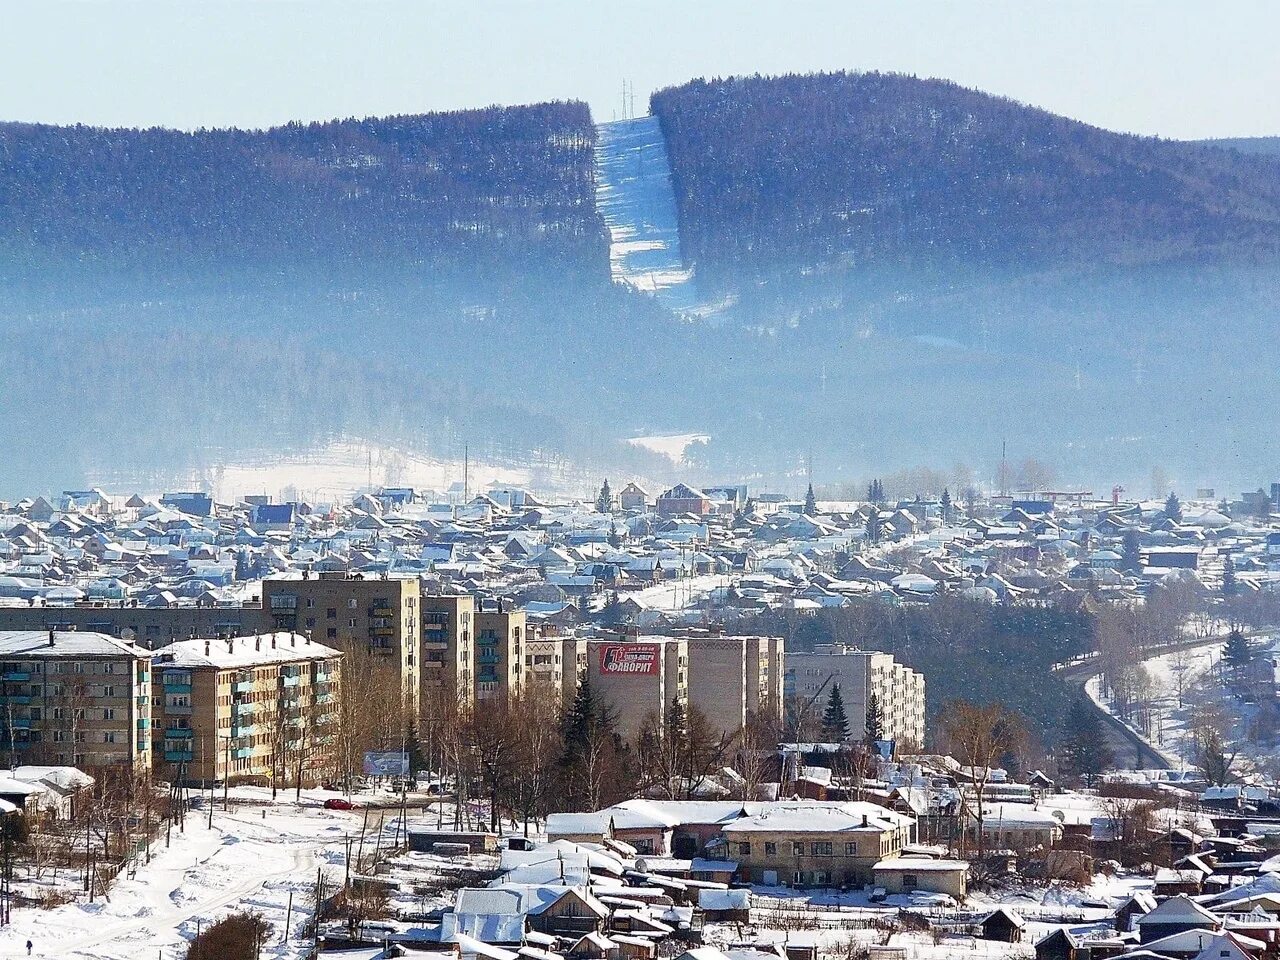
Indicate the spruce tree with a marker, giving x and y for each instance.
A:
(1236, 653)
(874, 720)
(810, 502)
(1229, 585)
(873, 526)
(1173, 507)
(1264, 506)
(1131, 552)
(835, 724)
(946, 505)
(604, 502)
(1084, 748)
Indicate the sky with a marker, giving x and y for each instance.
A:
(1174, 68)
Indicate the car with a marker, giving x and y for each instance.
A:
(339, 803)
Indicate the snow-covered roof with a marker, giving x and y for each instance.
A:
(65, 643)
(248, 651)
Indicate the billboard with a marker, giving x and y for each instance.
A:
(630, 659)
(386, 763)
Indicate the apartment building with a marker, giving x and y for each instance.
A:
(638, 676)
(74, 699)
(500, 636)
(257, 706)
(733, 677)
(149, 627)
(447, 665)
(899, 690)
(553, 665)
(353, 613)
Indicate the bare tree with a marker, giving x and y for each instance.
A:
(977, 735)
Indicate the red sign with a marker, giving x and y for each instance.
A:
(636, 659)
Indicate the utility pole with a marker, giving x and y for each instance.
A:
(466, 473)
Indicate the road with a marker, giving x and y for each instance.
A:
(1130, 751)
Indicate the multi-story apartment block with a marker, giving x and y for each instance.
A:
(898, 689)
(262, 706)
(553, 665)
(639, 676)
(733, 677)
(500, 636)
(148, 627)
(352, 613)
(448, 656)
(72, 698)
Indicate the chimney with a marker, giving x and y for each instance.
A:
(293, 639)
(206, 648)
(51, 636)
(231, 645)
(864, 819)
(273, 641)
(257, 643)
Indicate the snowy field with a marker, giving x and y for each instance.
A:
(252, 859)
(672, 446)
(638, 203)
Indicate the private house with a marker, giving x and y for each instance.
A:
(897, 875)
(683, 498)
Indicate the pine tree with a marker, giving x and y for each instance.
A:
(835, 724)
(1131, 552)
(1229, 585)
(874, 720)
(1173, 507)
(1264, 506)
(1237, 652)
(810, 503)
(873, 526)
(604, 502)
(1084, 748)
(243, 571)
(946, 505)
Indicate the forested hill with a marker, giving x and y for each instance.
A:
(499, 188)
(850, 170)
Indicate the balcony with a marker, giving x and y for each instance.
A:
(242, 686)
(179, 733)
(18, 723)
(488, 658)
(241, 752)
(177, 710)
(243, 708)
(18, 699)
(177, 687)
(252, 730)
(288, 681)
(382, 611)
(324, 698)
(144, 723)
(176, 756)
(16, 676)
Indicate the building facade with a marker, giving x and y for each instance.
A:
(898, 689)
(638, 677)
(75, 699)
(731, 678)
(448, 655)
(261, 707)
(499, 646)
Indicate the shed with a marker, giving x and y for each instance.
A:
(1003, 925)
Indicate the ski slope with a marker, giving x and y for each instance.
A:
(638, 203)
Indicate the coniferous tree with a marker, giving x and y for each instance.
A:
(604, 501)
(1229, 585)
(1264, 506)
(946, 505)
(1131, 552)
(1237, 652)
(874, 720)
(810, 502)
(1084, 747)
(835, 723)
(873, 526)
(1173, 507)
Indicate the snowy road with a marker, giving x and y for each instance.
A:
(249, 860)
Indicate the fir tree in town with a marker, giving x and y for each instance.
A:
(946, 505)
(604, 502)
(1084, 746)
(1173, 507)
(1236, 654)
(810, 502)
(1131, 552)
(243, 570)
(1229, 585)
(874, 720)
(835, 724)
(873, 526)
(1264, 506)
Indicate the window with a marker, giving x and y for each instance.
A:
(744, 849)
(797, 848)
(351, 622)
(331, 633)
(821, 848)
(770, 848)
(351, 604)
(910, 881)
(851, 849)
(108, 713)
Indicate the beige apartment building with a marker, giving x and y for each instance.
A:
(553, 666)
(263, 706)
(731, 678)
(639, 676)
(859, 674)
(353, 613)
(75, 699)
(499, 652)
(447, 665)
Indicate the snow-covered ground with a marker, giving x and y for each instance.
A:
(638, 203)
(678, 594)
(252, 859)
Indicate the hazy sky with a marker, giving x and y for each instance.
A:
(1173, 67)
